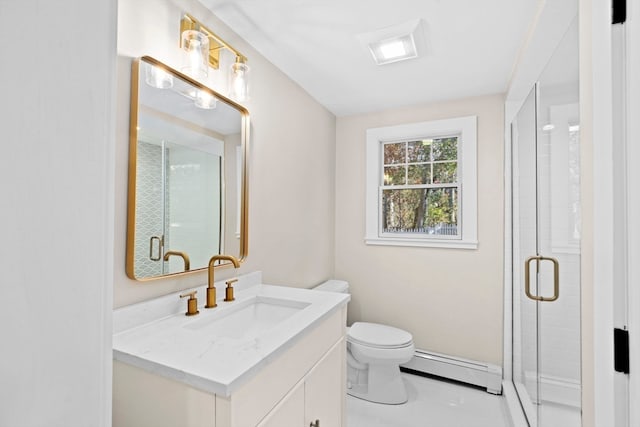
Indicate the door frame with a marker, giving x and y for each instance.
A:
(633, 200)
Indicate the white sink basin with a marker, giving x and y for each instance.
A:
(221, 348)
(248, 318)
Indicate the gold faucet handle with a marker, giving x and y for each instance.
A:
(192, 303)
(229, 291)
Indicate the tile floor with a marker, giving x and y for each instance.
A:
(432, 403)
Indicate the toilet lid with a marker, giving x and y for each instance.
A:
(379, 336)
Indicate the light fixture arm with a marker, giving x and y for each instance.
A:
(216, 44)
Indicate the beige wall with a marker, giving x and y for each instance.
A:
(449, 299)
(291, 165)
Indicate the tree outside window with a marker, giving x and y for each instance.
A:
(419, 187)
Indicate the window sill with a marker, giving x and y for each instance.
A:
(423, 243)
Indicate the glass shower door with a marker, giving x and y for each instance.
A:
(525, 219)
(546, 245)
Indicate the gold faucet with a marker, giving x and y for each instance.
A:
(183, 255)
(211, 289)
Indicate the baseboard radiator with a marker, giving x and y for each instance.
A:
(454, 368)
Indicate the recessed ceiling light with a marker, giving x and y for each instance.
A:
(392, 44)
(393, 50)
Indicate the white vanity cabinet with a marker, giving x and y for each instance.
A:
(302, 383)
(289, 412)
(318, 397)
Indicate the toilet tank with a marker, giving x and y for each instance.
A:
(339, 286)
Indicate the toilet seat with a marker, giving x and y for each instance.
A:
(378, 336)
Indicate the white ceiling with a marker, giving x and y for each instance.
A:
(466, 47)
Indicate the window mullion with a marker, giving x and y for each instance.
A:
(406, 162)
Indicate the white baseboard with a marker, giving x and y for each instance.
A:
(467, 371)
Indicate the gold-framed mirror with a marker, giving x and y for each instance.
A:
(187, 197)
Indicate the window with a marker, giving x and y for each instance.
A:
(421, 184)
(419, 192)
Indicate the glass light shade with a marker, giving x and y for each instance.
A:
(205, 100)
(158, 78)
(239, 82)
(196, 46)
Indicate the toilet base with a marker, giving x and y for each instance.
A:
(383, 385)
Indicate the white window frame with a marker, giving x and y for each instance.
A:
(465, 127)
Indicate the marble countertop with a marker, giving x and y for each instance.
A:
(158, 338)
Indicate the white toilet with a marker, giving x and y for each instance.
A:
(374, 355)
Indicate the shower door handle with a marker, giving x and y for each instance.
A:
(158, 256)
(556, 278)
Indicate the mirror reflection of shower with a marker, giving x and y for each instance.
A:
(179, 203)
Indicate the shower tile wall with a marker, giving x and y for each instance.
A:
(559, 189)
(193, 219)
(148, 207)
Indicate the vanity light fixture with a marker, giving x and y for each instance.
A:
(196, 45)
(238, 82)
